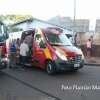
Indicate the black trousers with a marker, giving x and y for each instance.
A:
(23, 60)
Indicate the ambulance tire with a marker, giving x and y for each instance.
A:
(3, 65)
(75, 70)
(50, 68)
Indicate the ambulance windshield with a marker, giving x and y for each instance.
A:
(58, 39)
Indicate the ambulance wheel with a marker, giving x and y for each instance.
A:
(50, 68)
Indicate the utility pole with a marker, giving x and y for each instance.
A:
(74, 10)
(74, 33)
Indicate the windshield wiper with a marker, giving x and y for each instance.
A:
(59, 44)
(67, 45)
(56, 44)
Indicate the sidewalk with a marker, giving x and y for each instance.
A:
(95, 61)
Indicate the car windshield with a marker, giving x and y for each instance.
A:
(58, 39)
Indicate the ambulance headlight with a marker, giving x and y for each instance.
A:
(80, 52)
(61, 55)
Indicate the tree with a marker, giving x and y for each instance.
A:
(11, 19)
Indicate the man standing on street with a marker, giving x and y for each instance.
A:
(24, 49)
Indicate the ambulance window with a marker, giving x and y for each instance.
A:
(39, 40)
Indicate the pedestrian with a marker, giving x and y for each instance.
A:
(24, 49)
(12, 52)
(17, 51)
(89, 47)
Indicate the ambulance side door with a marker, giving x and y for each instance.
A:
(39, 56)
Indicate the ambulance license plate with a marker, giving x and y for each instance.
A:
(76, 65)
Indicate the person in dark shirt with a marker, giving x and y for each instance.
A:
(12, 54)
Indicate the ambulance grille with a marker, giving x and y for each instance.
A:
(76, 58)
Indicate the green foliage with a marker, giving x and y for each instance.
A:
(11, 19)
(14, 18)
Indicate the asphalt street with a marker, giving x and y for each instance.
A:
(10, 89)
(35, 83)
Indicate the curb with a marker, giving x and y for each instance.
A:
(90, 64)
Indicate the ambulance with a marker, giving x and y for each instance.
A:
(51, 50)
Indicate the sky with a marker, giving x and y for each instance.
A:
(45, 9)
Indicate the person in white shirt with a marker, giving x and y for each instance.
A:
(24, 49)
(89, 47)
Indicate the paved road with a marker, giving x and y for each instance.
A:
(11, 89)
(81, 85)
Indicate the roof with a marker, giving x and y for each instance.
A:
(23, 21)
(33, 19)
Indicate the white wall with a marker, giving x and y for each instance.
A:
(15, 35)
